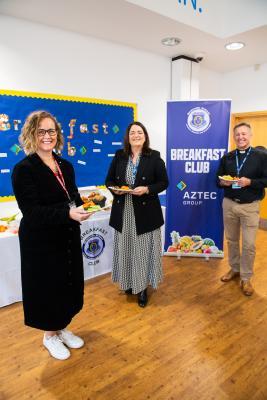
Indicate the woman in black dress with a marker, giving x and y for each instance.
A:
(49, 234)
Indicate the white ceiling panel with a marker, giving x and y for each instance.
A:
(129, 24)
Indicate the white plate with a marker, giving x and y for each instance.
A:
(228, 180)
(100, 209)
(120, 190)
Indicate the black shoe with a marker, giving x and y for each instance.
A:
(142, 298)
(128, 291)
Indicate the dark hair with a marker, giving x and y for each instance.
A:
(261, 148)
(126, 144)
(242, 124)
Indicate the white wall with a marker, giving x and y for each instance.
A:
(43, 59)
(210, 84)
(247, 87)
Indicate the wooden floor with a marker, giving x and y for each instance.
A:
(198, 339)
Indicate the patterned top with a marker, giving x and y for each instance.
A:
(133, 167)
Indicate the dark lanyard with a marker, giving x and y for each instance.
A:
(61, 180)
(238, 168)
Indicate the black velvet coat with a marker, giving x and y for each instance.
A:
(151, 172)
(50, 245)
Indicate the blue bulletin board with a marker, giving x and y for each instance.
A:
(93, 130)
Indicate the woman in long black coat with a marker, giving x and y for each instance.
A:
(136, 215)
(49, 234)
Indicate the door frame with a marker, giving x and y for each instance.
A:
(234, 116)
(262, 113)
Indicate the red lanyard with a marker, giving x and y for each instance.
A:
(60, 179)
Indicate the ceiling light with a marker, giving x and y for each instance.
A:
(170, 41)
(234, 46)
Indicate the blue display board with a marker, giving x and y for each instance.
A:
(197, 138)
(93, 130)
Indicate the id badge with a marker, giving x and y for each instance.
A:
(72, 204)
(235, 186)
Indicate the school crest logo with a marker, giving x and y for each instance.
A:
(93, 246)
(198, 120)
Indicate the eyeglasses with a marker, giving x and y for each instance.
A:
(42, 132)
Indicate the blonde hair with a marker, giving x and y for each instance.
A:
(28, 136)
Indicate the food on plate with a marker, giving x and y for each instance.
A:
(229, 178)
(9, 224)
(124, 187)
(96, 197)
(99, 200)
(9, 219)
(91, 206)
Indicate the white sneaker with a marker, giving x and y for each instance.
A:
(70, 340)
(55, 347)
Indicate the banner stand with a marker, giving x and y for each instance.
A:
(206, 256)
(197, 138)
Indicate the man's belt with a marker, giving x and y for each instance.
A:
(236, 200)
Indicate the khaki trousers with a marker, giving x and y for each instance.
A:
(246, 217)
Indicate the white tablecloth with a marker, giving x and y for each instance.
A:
(10, 286)
(97, 245)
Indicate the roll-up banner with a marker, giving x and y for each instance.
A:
(197, 137)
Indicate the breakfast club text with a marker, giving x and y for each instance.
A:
(197, 161)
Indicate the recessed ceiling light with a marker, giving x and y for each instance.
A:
(234, 46)
(170, 41)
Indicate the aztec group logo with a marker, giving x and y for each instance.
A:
(198, 120)
(181, 185)
(93, 246)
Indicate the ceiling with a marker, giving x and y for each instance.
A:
(130, 24)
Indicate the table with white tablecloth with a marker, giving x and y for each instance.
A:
(10, 286)
(97, 248)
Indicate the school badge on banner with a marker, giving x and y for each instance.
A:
(97, 245)
(197, 137)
